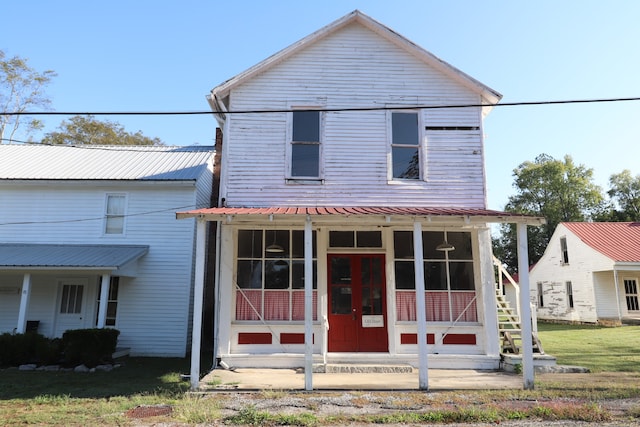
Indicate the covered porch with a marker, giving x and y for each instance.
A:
(454, 325)
(50, 288)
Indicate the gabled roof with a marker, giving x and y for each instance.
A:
(90, 162)
(619, 241)
(489, 95)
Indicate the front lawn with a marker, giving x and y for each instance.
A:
(601, 349)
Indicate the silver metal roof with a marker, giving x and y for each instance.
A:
(72, 257)
(90, 162)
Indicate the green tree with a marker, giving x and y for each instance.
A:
(21, 88)
(625, 191)
(87, 130)
(557, 190)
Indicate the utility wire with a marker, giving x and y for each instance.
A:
(101, 218)
(288, 110)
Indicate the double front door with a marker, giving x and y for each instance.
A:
(357, 303)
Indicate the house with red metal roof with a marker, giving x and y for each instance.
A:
(352, 225)
(589, 272)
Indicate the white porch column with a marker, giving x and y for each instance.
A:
(198, 296)
(616, 283)
(24, 304)
(525, 307)
(308, 305)
(104, 296)
(421, 311)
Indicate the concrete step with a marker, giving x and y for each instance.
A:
(360, 368)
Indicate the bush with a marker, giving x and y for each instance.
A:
(18, 349)
(89, 346)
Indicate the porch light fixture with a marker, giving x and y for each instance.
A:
(274, 248)
(445, 246)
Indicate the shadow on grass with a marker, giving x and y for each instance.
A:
(137, 375)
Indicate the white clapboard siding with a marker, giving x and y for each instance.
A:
(153, 307)
(353, 67)
(583, 271)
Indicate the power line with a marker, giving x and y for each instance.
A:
(288, 110)
(101, 218)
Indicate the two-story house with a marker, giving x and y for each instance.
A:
(88, 238)
(352, 215)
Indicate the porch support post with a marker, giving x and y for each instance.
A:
(421, 312)
(198, 296)
(24, 304)
(104, 295)
(525, 307)
(308, 305)
(616, 283)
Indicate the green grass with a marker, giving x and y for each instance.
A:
(103, 398)
(601, 349)
(136, 376)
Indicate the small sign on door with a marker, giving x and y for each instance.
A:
(375, 321)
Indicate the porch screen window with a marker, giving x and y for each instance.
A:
(405, 143)
(449, 279)
(114, 216)
(71, 302)
(270, 275)
(305, 144)
(112, 301)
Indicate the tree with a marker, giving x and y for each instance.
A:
(21, 88)
(557, 190)
(87, 130)
(625, 191)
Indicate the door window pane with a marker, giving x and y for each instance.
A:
(340, 299)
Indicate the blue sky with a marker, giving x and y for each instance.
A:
(159, 55)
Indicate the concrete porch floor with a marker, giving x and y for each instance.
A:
(247, 379)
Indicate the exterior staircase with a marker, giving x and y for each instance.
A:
(509, 322)
(510, 328)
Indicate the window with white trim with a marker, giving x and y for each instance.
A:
(270, 275)
(540, 295)
(569, 289)
(405, 145)
(305, 144)
(112, 300)
(114, 214)
(564, 250)
(450, 294)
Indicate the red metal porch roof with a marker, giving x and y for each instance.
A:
(619, 241)
(488, 215)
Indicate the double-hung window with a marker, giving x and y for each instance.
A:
(305, 144)
(405, 145)
(114, 214)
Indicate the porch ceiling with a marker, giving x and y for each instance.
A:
(23, 256)
(370, 214)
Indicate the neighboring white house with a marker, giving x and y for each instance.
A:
(589, 272)
(88, 238)
(346, 188)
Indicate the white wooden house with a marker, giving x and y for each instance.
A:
(589, 273)
(342, 175)
(88, 238)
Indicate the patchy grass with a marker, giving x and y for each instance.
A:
(601, 349)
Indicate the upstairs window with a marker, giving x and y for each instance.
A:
(114, 215)
(305, 144)
(405, 145)
(564, 250)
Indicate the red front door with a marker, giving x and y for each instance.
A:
(357, 303)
